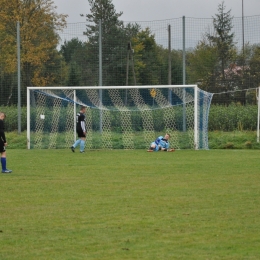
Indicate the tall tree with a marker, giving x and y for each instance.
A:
(69, 48)
(73, 79)
(254, 67)
(223, 38)
(115, 38)
(209, 62)
(202, 66)
(102, 10)
(39, 24)
(146, 57)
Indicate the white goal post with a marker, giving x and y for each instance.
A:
(118, 117)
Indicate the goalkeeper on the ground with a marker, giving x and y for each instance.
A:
(161, 144)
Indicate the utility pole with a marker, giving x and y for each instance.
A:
(243, 34)
(130, 52)
(19, 77)
(169, 64)
(100, 77)
(169, 56)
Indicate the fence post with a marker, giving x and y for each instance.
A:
(18, 78)
(100, 74)
(196, 125)
(169, 64)
(258, 113)
(28, 119)
(184, 73)
(183, 52)
(75, 116)
(169, 56)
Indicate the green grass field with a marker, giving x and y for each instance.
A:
(130, 205)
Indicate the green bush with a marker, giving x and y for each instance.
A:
(11, 122)
(221, 118)
(232, 117)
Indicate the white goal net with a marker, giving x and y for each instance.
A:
(121, 117)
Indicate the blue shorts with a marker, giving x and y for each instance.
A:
(156, 149)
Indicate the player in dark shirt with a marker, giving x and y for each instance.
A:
(3, 144)
(81, 130)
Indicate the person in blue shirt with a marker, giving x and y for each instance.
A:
(161, 144)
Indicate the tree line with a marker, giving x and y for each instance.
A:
(130, 54)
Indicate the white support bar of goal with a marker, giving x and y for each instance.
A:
(28, 120)
(196, 139)
(196, 136)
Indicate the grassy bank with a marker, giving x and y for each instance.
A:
(233, 140)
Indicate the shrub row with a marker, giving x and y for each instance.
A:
(232, 117)
(222, 118)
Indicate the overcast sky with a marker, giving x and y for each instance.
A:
(151, 10)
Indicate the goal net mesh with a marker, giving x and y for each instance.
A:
(119, 118)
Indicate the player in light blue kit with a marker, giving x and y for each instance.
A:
(161, 144)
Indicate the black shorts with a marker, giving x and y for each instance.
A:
(81, 134)
(2, 146)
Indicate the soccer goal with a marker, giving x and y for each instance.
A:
(118, 117)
